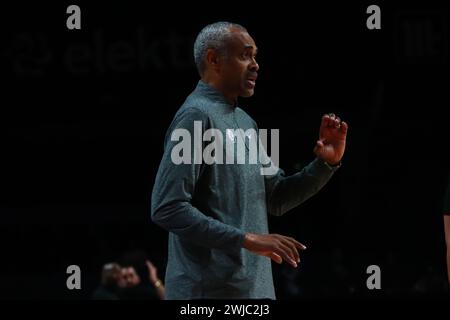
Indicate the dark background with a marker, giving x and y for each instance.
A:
(84, 113)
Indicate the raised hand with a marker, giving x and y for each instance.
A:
(332, 138)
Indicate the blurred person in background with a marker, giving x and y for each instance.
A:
(141, 278)
(112, 280)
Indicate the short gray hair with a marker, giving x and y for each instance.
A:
(213, 36)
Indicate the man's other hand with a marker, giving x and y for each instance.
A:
(274, 246)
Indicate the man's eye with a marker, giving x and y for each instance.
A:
(248, 56)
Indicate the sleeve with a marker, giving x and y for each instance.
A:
(175, 187)
(285, 193)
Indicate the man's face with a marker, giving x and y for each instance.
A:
(130, 277)
(239, 69)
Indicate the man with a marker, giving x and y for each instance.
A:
(219, 246)
(111, 281)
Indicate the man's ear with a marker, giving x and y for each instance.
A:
(212, 58)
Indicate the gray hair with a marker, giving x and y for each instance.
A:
(213, 36)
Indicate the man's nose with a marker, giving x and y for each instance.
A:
(254, 66)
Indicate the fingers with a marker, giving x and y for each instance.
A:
(275, 257)
(292, 251)
(288, 249)
(293, 245)
(279, 258)
(330, 120)
(335, 122)
(325, 121)
(344, 127)
(274, 246)
(298, 244)
(285, 252)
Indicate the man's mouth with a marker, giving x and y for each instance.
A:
(251, 81)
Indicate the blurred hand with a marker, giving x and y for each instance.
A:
(153, 272)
